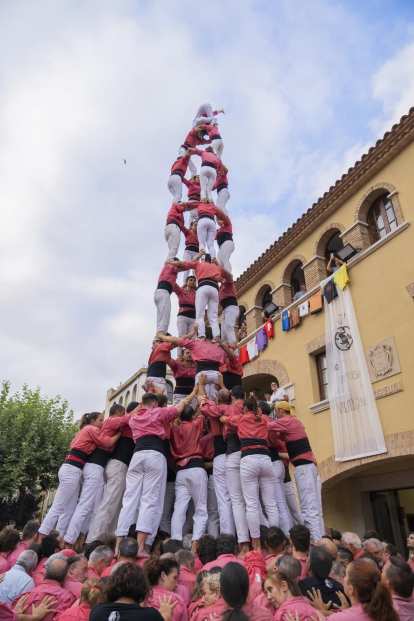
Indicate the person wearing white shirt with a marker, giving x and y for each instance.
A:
(17, 580)
(278, 394)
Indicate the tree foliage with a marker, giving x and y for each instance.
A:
(35, 433)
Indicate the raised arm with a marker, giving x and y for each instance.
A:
(226, 348)
(175, 339)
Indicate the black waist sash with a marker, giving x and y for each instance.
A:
(298, 447)
(209, 164)
(157, 369)
(205, 215)
(150, 443)
(178, 172)
(233, 443)
(195, 461)
(222, 237)
(188, 312)
(81, 458)
(231, 380)
(216, 137)
(274, 453)
(164, 284)
(174, 222)
(207, 281)
(184, 385)
(207, 365)
(194, 197)
(193, 248)
(220, 446)
(230, 301)
(221, 186)
(100, 457)
(253, 446)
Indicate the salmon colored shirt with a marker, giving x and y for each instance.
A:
(222, 560)
(214, 412)
(63, 598)
(293, 605)
(207, 157)
(248, 427)
(291, 429)
(185, 440)
(179, 612)
(22, 547)
(181, 370)
(4, 562)
(176, 213)
(160, 353)
(6, 613)
(186, 578)
(76, 613)
(168, 274)
(211, 271)
(150, 422)
(73, 586)
(203, 350)
(89, 438)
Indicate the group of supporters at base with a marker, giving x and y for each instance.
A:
(288, 579)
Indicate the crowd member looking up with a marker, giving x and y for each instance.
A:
(285, 595)
(29, 536)
(319, 567)
(398, 579)
(352, 542)
(300, 544)
(278, 394)
(410, 546)
(77, 571)
(18, 579)
(99, 559)
(9, 540)
(91, 595)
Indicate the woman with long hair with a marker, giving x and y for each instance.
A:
(162, 574)
(91, 595)
(286, 597)
(234, 588)
(84, 443)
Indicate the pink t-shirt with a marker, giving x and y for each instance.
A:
(6, 613)
(296, 604)
(203, 350)
(48, 587)
(355, 613)
(222, 560)
(22, 547)
(73, 586)
(179, 613)
(4, 563)
(150, 422)
(404, 607)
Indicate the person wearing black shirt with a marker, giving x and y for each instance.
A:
(319, 567)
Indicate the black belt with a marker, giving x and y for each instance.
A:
(100, 457)
(209, 164)
(205, 215)
(167, 286)
(191, 314)
(184, 381)
(183, 390)
(222, 237)
(194, 197)
(298, 447)
(149, 443)
(220, 446)
(207, 365)
(174, 222)
(233, 444)
(179, 173)
(157, 369)
(287, 478)
(221, 186)
(230, 301)
(216, 137)
(193, 248)
(230, 380)
(274, 453)
(206, 281)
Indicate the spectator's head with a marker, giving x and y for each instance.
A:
(338, 571)
(92, 592)
(299, 538)
(226, 544)
(207, 549)
(172, 546)
(336, 537)
(127, 581)
(237, 393)
(101, 558)
(28, 560)
(90, 547)
(345, 555)
(50, 545)
(116, 410)
(9, 540)
(328, 545)
(163, 572)
(185, 559)
(30, 532)
(210, 589)
(187, 541)
(128, 549)
(374, 546)
(234, 589)
(36, 547)
(289, 565)
(319, 563)
(352, 542)
(410, 541)
(131, 406)
(57, 569)
(362, 585)
(275, 540)
(370, 557)
(267, 395)
(150, 400)
(78, 567)
(157, 547)
(223, 396)
(265, 407)
(370, 534)
(303, 286)
(187, 413)
(279, 588)
(397, 576)
(389, 550)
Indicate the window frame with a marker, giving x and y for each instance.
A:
(321, 385)
(372, 220)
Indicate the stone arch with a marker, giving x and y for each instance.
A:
(325, 236)
(244, 304)
(290, 266)
(365, 202)
(260, 291)
(399, 445)
(266, 367)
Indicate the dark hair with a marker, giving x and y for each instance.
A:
(223, 396)
(401, 577)
(238, 392)
(207, 549)
(149, 397)
(116, 408)
(207, 258)
(187, 413)
(106, 539)
(131, 406)
(188, 277)
(9, 539)
(275, 381)
(390, 549)
(320, 562)
(280, 577)
(49, 545)
(30, 530)
(234, 589)
(36, 547)
(251, 406)
(172, 546)
(345, 555)
(371, 593)
(370, 534)
(155, 566)
(209, 333)
(162, 400)
(128, 580)
(263, 534)
(300, 536)
(275, 537)
(336, 534)
(265, 407)
(128, 548)
(72, 560)
(90, 547)
(371, 557)
(86, 419)
(226, 544)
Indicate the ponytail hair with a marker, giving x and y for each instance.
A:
(155, 566)
(92, 592)
(234, 589)
(371, 593)
(88, 418)
(251, 406)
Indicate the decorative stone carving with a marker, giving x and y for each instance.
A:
(382, 360)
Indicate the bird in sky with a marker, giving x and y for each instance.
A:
(124, 161)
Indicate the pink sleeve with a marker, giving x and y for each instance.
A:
(211, 410)
(186, 182)
(186, 343)
(168, 414)
(198, 152)
(173, 364)
(233, 420)
(276, 425)
(177, 289)
(215, 112)
(98, 437)
(189, 265)
(114, 423)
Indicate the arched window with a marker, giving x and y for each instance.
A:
(381, 218)
(267, 297)
(127, 399)
(120, 400)
(242, 316)
(134, 393)
(170, 391)
(297, 279)
(334, 245)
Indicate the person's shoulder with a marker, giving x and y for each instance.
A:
(308, 583)
(151, 613)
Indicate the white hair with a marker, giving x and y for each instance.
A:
(101, 552)
(187, 541)
(374, 541)
(352, 539)
(28, 560)
(52, 558)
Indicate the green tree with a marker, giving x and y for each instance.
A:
(35, 433)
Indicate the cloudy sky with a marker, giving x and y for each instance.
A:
(307, 87)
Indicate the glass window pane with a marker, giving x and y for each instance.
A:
(380, 222)
(393, 225)
(324, 377)
(383, 233)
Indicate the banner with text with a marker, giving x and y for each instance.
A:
(356, 426)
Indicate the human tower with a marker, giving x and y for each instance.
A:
(213, 446)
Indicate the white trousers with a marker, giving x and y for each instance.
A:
(321, 522)
(172, 234)
(175, 186)
(228, 321)
(207, 296)
(257, 474)
(222, 199)
(188, 255)
(225, 512)
(292, 503)
(92, 512)
(205, 120)
(212, 509)
(177, 398)
(306, 478)
(159, 382)
(218, 146)
(234, 486)
(145, 485)
(208, 176)
(190, 484)
(182, 151)
(91, 479)
(168, 507)
(211, 378)
(224, 253)
(110, 505)
(285, 519)
(206, 233)
(184, 326)
(65, 500)
(162, 301)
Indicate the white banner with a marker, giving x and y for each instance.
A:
(356, 426)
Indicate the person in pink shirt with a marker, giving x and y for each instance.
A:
(192, 246)
(231, 311)
(147, 472)
(222, 187)
(215, 138)
(99, 559)
(21, 612)
(208, 172)
(186, 576)
(398, 579)
(286, 597)
(173, 227)
(226, 552)
(29, 536)
(9, 541)
(127, 553)
(76, 576)
(91, 595)
(234, 589)
(193, 194)
(178, 170)
(184, 372)
(212, 603)
(224, 236)
(52, 585)
(186, 313)
(206, 229)
(162, 296)
(162, 575)
(194, 137)
(300, 543)
(49, 546)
